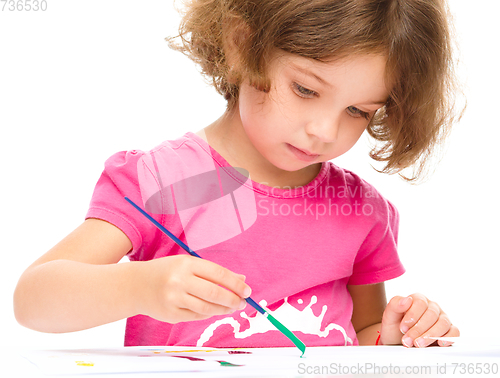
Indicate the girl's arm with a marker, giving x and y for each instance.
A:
(405, 320)
(369, 302)
(78, 284)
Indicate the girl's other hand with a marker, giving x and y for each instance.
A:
(412, 320)
(183, 288)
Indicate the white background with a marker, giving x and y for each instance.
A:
(85, 79)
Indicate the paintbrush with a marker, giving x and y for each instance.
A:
(285, 331)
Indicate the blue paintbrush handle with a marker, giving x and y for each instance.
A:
(249, 300)
(255, 305)
(164, 230)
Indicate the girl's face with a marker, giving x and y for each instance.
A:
(314, 111)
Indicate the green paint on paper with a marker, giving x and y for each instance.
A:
(299, 344)
(225, 363)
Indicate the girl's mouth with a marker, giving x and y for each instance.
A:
(302, 154)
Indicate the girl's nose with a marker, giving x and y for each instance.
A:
(324, 126)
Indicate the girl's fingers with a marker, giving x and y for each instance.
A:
(443, 327)
(221, 276)
(416, 319)
(395, 310)
(203, 309)
(214, 298)
(429, 318)
(412, 316)
(453, 332)
(391, 320)
(188, 314)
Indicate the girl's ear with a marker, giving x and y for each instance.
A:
(235, 32)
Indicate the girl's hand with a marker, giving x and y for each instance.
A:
(183, 288)
(411, 320)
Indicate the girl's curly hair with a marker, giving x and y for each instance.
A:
(414, 35)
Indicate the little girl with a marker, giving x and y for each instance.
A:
(255, 194)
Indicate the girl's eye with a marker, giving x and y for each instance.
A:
(351, 110)
(303, 92)
(357, 113)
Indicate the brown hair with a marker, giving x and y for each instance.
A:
(414, 35)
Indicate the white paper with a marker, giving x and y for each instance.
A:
(263, 361)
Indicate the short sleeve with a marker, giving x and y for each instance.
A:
(377, 259)
(119, 180)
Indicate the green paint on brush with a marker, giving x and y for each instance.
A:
(299, 344)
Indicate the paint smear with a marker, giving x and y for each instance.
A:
(190, 358)
(191, 351)
(225, 363)
(83, 363)
(206, 351)
(222, 363)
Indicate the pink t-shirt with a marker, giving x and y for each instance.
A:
(298, 247)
